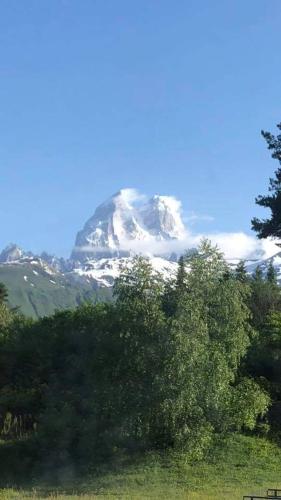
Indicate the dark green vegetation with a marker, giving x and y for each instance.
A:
(37, 293)
(164, 368)
(272, 225)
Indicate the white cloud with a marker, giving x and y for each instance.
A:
(243, 246)
(132, 195)
(193, 217)
(234, 245)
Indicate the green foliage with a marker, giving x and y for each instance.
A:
(265, 297)
(271, 274)
(5, 316)
(271, 226)
(210, 334)
(144, 340)
(264, 358)
(174, 288)
(158, 367)
(258, 274)
(3, 293)
(241, 273)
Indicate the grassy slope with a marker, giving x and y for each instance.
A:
(37, 295)
(237, 466)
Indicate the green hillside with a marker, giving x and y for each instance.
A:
(37, 293)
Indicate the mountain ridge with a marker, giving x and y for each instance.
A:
(121, 227)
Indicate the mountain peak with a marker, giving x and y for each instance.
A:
(125, 219)
(162, 216)
(11, 253)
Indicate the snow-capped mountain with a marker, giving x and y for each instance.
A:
(264, 263)
(162, 218)
(11, 253)
(15, 255)
(104, 271)
(120, 227)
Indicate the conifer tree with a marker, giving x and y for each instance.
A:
(271, 226)
(175, 288)
(240, 272)
(265, 296)
(181, 275)
(271, 274)
(258, 274)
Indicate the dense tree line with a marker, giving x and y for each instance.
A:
(166, 364)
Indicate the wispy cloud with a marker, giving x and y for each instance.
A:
(238, 245)
(233, 245)
(193, 217)
(133, 196)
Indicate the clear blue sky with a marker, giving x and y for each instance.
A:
(163, 96)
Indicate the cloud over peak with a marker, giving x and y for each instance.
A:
(158, 226)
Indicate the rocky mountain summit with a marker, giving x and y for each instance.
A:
(13, 254)
(121, 227)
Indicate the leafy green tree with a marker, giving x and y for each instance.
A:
(210, 335)
(144, 343)
(5, 316)
(3, 293)
(265, 297)
(264, 359)
(174, 288)
(264, 364)
(137, 372)
(79, 415)
(272, 225)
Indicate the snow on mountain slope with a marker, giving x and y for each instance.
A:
(113, 223)
(14, 255)
(125, 225)
(121, 226)
(11, 253)
(161, 216)
(104, 271)
(264, 263)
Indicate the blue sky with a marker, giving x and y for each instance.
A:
(166, 97)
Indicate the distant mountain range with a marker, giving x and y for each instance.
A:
(120, 228)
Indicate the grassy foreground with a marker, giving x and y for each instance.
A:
(236, 466)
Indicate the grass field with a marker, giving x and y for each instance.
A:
(236, 466)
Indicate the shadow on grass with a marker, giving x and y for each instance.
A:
(24, 467)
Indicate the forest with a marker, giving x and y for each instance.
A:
(164, 365)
